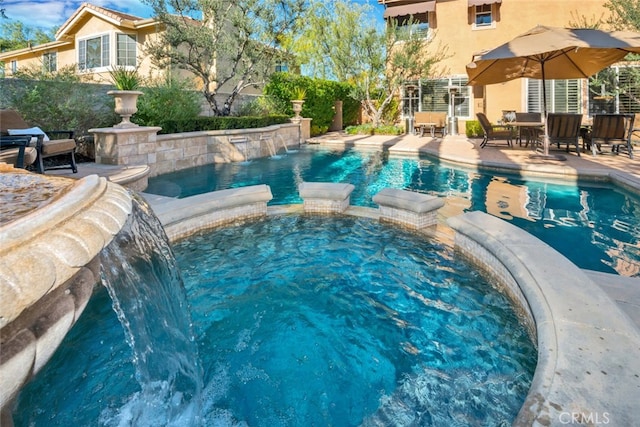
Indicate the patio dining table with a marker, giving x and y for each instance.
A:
(528, 128)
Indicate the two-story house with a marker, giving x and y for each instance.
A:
(471, 26)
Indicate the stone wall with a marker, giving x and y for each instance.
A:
(168, 153)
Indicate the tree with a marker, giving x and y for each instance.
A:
(15, 35)
(341, 40)
(625, 14)
(232, 47)
(328, 34)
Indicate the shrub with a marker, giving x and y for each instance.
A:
(320, 98)
(262, 106)
(368, 129)
(58, 101)
(473, 129)
(167, 100)
(194, 124)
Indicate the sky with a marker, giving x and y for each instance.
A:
(49, 14)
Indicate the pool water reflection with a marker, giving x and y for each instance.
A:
(596, 226)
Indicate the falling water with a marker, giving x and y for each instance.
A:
(143, 280)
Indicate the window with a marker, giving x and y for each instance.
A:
(126, 50)
(434, 96)
(14, 66)
(413, 26)
(93, 52)
(50, 62)
(484, 17)
(563, 96)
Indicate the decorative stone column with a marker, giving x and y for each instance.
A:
(52, 231)
(126, 146)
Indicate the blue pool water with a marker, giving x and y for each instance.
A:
(596, 226)
(303, 321)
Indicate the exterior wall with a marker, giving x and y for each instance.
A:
(452, 25)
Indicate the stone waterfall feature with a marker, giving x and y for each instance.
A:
(52, 231)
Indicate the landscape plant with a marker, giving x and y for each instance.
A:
(232, 46)
(58, 100)
(125, 78)
(167, 99)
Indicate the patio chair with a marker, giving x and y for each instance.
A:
(613, 129)
(530, 134)
(494, 132)
(15, 150)
(12, 124)
(564, 128)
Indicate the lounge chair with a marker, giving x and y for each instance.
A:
(613, 129)
(12, 124)
(494, 132)
(16, 151)
(564, 128)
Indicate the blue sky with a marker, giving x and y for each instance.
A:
(48, 14)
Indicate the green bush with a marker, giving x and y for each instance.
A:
(220, 123)
(473, 129)
(167, 100)
(58, 101)
(368, 129)
(262, 106)
(320, 98)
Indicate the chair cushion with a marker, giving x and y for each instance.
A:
(58, 146)
(10, 156)
(29, 131)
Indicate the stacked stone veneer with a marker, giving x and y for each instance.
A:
(48, 268)
(167, 153)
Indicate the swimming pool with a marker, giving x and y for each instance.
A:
(307, 320)
(596, 226)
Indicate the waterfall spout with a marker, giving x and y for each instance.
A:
(149, 298)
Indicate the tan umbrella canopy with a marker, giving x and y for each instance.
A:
(552, 53)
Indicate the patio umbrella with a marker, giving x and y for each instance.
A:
(552, 53)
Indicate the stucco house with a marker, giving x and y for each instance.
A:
(96, 39)
(470, 26)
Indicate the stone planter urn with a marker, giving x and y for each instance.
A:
(297, 108)
(126, 105)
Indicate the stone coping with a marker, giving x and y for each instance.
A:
(588, 365)
(408, 200)
(325, 190)
(181, 217)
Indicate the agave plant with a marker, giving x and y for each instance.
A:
(125, 78)
(298, 94)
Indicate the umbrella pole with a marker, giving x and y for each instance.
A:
(545, 143)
